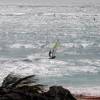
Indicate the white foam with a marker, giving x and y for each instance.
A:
(44, 67)
(93, 69)
(12, 14)
(37, 69)
(92, 62)
(75, 15)
(54, 62)
(17, 45)
(48, 14)
(76, 45)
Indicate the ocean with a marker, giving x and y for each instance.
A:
(28, 32)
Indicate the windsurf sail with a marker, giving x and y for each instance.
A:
(56, 44)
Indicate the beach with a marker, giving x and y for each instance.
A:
(82, 97)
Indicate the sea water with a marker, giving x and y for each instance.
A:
(28, 32)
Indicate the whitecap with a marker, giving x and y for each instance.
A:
(18, 45)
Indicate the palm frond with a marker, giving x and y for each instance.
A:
(9, 80)
(26, 84)
(27, 79)
(13, 81)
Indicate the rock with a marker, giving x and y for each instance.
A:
(59, 93)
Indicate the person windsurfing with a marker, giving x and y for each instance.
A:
(52, 51)
(52, 54)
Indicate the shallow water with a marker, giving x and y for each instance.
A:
(27, 34)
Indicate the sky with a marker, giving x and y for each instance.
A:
(50, 2)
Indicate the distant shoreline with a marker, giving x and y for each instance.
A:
(84, 97)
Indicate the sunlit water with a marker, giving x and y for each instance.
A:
(27, 34)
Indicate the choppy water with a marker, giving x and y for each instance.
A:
(27, 32)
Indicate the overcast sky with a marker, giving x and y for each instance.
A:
(50, 2)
